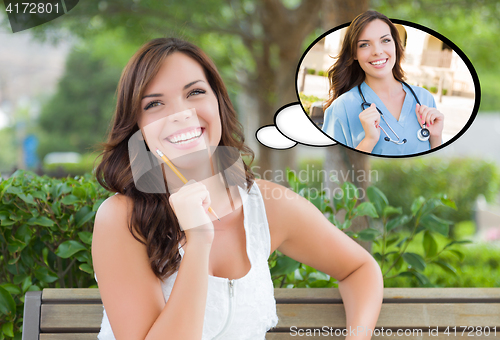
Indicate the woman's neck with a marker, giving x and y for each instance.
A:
(388, 86)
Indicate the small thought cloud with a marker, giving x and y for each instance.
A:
(292, 126)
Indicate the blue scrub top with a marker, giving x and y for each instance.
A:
(342, 122)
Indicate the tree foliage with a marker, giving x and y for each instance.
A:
(77, 116)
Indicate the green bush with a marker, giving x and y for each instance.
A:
(45, 238)
(86, 165)
(463, 180)
(393, 252)
(311, 71)
(322, 73)
(433, 89)
(307, 101)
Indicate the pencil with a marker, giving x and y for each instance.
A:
(181, 177)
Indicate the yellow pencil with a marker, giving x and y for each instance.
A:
(181, 177)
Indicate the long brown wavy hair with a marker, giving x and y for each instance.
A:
(152, 216)
(346, 73)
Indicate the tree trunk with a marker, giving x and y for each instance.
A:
(351, 165)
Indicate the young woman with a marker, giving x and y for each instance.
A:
(370, 107)
(166, 267)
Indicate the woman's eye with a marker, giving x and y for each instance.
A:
(196, 92)
(152, 104)
(387, 40)
(363, 45)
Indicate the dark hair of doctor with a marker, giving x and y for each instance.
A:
(346, 72)
(153, 219)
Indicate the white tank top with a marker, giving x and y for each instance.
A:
(237, 309)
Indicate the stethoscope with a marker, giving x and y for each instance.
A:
(423, 134)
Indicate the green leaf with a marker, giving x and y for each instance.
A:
(399, 263)
(434, 223)
(366, 209)
(448, 202)
(430, 244)
(389, 211)
(431, 205)
(27, 198)
(8, 329)
(11, 288)
(378, 199)
(457, 242)
(69, 248)
(368, 234)
(86, 237)
(86, 268)
(40, 195)
(346, 224)
(44, 275)
(7, 304)
(83, 215)
(79, 192)
(350, 193)
(292, 179)
(414, 260)
(26, 283)
(284, 265)
(396, 222)
(420, 277)
(391, 241)
(457, 253)
(70, 200)
(41, 220)
(446, 267)
(416, 205)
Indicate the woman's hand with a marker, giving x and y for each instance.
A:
(191, 205)
(434, 121)
(370, 120)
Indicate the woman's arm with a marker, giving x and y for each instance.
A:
(304, 234)
(132, 294)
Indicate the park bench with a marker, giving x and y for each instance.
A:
(440, 313)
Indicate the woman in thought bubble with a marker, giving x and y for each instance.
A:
(370, 107)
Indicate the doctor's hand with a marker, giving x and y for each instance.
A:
(370, 120)
(191, 205)
(434, 121)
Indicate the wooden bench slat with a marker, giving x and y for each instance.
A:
(87, 317)
(408, 315)
(318, 295)
(71, 318)
(68, 336)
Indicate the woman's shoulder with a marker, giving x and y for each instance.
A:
(344, 100)
(113, 216)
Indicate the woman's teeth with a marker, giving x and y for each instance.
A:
(379, 62)
(186, 137)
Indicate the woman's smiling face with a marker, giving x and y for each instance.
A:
(179, 110)
(376, 50)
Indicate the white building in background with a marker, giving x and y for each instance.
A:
(428, 61)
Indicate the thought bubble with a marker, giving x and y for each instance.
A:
(433, 66)
(292, 126)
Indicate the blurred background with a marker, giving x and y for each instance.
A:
(58, 84)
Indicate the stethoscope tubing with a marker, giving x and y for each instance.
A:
(387, 138)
